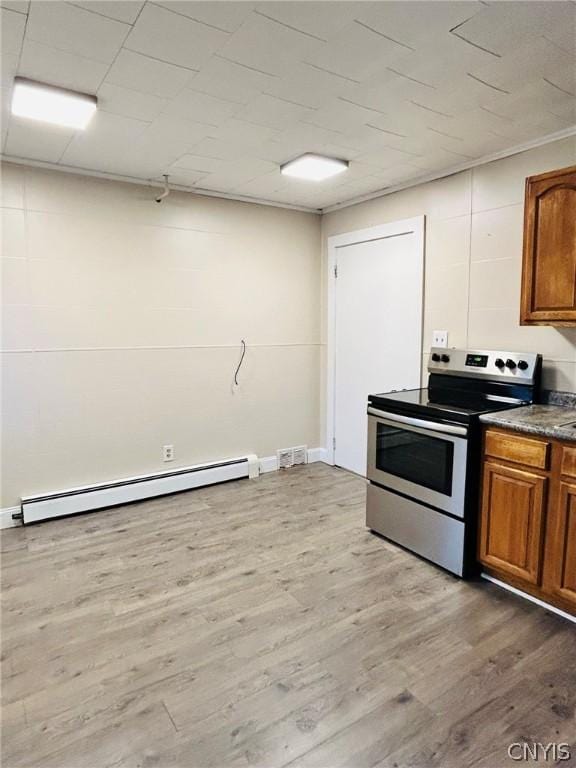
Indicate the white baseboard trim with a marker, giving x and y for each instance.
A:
(145, 490)
(6, 517)
(126, 490)
(531, 598)
(270, 463)
(317, 454)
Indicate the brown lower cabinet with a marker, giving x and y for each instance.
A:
(528, 515)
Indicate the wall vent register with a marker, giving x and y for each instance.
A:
(290, 457)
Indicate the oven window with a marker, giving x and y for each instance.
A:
(423, 460)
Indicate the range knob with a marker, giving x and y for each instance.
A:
(522, 364)
(445, 358)
(436, 357)
(510, 364)
(499, 363)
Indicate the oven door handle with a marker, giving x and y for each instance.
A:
(433, 425)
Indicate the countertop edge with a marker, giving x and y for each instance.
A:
(555, 432)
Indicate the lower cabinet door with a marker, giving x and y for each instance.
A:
(512, 518)
(561, 545)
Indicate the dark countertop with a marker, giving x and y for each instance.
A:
(540, 420)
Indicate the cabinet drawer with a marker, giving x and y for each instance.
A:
(568, 465)
(517, 449)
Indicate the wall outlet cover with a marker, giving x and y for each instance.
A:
(168, 453)
(440, 339)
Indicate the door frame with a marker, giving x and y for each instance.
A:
(415, 226)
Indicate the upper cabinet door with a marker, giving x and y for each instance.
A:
(549, 266)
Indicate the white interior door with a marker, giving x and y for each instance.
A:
(377, 333)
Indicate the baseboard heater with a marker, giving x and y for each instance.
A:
(91, 497)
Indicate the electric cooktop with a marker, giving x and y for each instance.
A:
(444, 405)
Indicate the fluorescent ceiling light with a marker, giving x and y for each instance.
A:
(50, 104)
(313, 167)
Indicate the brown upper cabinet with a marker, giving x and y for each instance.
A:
(549, 259)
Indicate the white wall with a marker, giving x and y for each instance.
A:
(474, 228)
(122, 318)
(122, 322)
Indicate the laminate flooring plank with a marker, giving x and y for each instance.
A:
(258, 624)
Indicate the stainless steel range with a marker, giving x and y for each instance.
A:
(424, 450)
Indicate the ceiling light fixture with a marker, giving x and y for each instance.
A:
(51, 104)
(313, 167)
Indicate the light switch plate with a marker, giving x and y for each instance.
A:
(440, 339)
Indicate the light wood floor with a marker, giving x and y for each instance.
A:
(258, 623)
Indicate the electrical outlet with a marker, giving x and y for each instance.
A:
(168, 453)
(440, 339)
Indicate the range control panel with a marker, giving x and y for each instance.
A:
(493, 364)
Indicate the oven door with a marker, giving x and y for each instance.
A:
(421, 459)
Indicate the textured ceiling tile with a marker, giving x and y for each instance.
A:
(115, 134)
(5, 102)
(75, 30)
(382, 158)
(565, 111)
(503, 26)
(443, 60)
(280, 149)
(273, 112)
(20, 6)
(8, 69)
(534, 97)
(173, 38)
(418, 23)
(314, 18)
(262, 186)
(223, 15)
(190, 162)
(268, 46)
(542, 123)
(237, 172)
(128, 103)
(121, 10)
(12, 31)
(355, 53)
(392, 85)
(227, 80)
(309, 86)
(538, 57)
(343, 113)
(160, 153)
(36, 141)
(185, 176)
(68, 70)
(167, 131)
(193, 105)
(430, 96)
(245, 134)
(481, 121)
(215, 149)
(140, 73)
(314, 134)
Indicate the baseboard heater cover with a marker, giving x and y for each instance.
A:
(90, 497)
